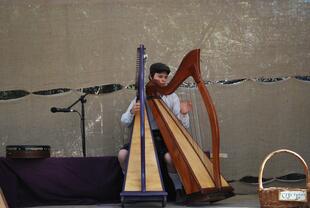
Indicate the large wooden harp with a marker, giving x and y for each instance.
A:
(143, 180)
(200, 176)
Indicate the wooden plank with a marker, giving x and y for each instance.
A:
(153, 181)
(133, 175)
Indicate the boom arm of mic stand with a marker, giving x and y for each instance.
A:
(82, 99)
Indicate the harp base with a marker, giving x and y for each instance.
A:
(203, 198)
(149, 196)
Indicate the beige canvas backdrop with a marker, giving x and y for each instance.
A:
(81, 43)
(75, 44)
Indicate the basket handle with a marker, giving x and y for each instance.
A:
(306, 169)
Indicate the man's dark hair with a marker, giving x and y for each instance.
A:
(158, 68)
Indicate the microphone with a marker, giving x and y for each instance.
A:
(63, 110)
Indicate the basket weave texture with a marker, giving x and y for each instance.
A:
(269, 197)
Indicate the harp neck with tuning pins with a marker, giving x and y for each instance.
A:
(197, 172)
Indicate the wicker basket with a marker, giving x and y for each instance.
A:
(278, 197)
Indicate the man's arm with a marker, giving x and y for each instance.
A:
(175, 105)
(128, 116)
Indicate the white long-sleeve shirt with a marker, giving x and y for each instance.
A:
(173, 103)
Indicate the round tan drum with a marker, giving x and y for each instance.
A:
(28, 151)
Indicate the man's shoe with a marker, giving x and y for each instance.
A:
(180, 196)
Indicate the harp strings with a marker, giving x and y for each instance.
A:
(196, 139)
(199, 122)
(193, 124)
(196, 115)
(186, 96)
(202, 138)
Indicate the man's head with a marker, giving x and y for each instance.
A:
(159, 72)
(159, 68)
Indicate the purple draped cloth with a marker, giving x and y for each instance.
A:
(55, 181)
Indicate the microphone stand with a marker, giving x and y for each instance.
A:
(82, 116)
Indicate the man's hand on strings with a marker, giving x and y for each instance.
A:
(185, 107)
(135, 108)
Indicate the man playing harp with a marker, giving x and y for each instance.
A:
(159, 72)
